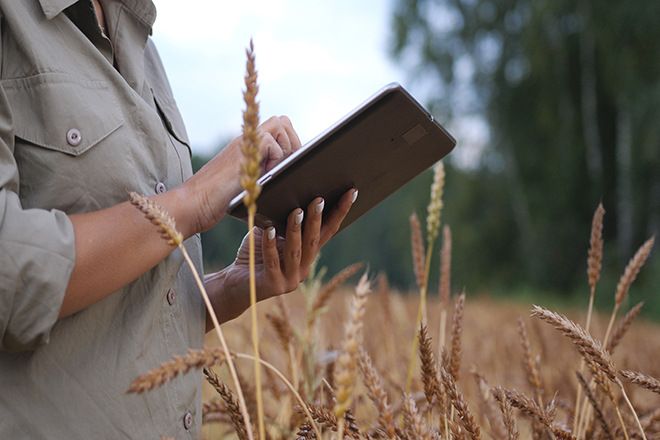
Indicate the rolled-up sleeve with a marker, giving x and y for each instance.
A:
(37, 255)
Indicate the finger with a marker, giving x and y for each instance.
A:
(277, 128)
(312, 234)
(292, 247)
(294, 140)
(336, 216)
(271, 255)
(271, 152)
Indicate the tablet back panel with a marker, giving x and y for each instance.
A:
(377, 148)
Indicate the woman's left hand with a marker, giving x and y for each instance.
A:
(280, 264)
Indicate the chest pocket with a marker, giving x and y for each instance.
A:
(61, 113)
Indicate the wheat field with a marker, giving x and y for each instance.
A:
(342, 358)
(492, 355)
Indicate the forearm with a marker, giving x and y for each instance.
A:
(114, 246)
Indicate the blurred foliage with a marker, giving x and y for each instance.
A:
(569, 90)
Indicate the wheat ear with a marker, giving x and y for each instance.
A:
(642, 380)
(429, 367)
(595, 258)
(346, 363)
(194, 360)
(629, 275)
(529, 363)
(465, 415)
(507, 413)
(592, 352)
(434, 209)
(456, 338)
(232, 406)
(167, 226)
(622, 328)
(413, 421)
(377, 394)
(322, 298)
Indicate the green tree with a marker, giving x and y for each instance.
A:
(570, 90)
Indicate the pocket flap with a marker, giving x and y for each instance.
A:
(62, 113)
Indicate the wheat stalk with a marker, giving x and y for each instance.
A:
(595, 404)
(419, 265)
(498, 430)
(167, 226)
(250, 172)
(594, 267)
(445, 283)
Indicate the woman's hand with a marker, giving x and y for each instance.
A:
(212, 188)
(281, 264)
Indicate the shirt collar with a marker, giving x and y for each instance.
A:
(143, 9)
(52, 8)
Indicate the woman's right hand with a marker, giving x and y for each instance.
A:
(212, 188)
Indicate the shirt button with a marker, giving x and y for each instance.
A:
(171, 296)
(187, 420)
(73, 137)
(160, 188)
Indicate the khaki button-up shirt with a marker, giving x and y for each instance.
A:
(83, 119)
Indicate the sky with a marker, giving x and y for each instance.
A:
(317, 60)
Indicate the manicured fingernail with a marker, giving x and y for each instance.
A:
(320, 205)
(354, 197)
(271, 234)
(299, 217)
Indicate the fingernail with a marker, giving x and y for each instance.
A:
(271, 234)
(320, 205)
(299, 217)
(354, 197)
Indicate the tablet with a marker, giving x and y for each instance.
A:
(377, 148)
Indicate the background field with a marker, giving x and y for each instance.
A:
(490, 343)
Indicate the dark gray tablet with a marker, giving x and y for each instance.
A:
(377, 148)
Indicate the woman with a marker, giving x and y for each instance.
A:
(90, 295)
